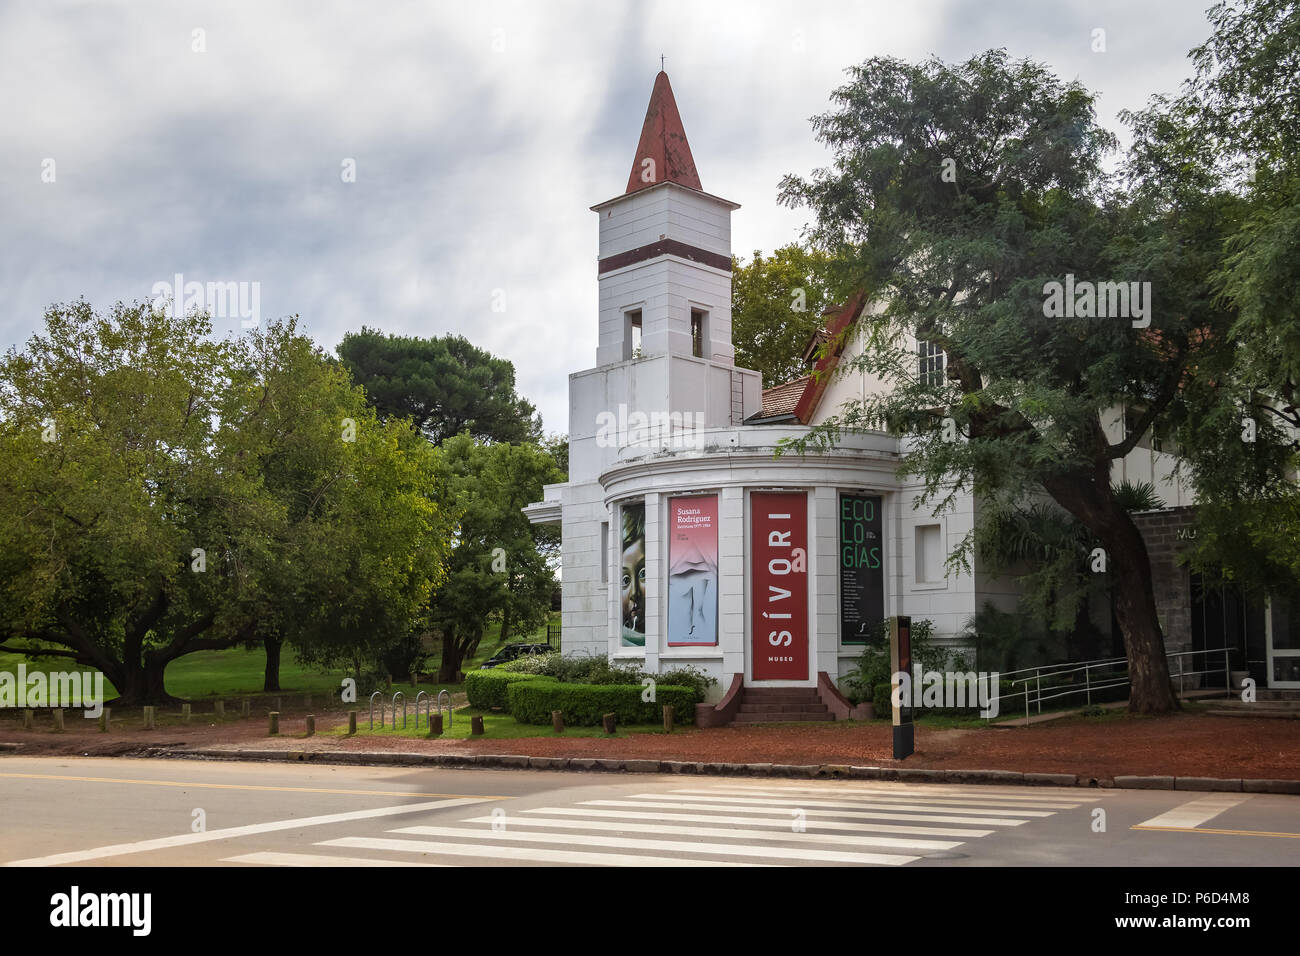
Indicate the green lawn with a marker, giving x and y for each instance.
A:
(238, 672)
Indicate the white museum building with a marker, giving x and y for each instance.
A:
(686, 538)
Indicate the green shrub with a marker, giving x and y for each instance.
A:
(880, 698)
(881, 702)
(486, 689)
(598, 670)
(688, 677)
(583, 705)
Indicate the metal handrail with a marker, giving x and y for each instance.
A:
(1045, 667)
(1069, 667)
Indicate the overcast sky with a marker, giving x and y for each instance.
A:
(480, 132)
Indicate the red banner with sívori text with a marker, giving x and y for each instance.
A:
(779, 581)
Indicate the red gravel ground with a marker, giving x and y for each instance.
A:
(1183, 745)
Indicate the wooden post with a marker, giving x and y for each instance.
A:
(219, 709)
(668, 718)
(475, 726)
(105, 716)
(148, 718)
(245, 707)
(275, 723)
(610, 723)
(277, 705)
(185, 713)
(435, 725)
(58, 718)
(311, 724)
(29, 720)
(557, 721)
(352, 722)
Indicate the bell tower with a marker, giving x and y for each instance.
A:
(665, 380)
(665, 252)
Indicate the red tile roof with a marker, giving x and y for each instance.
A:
(802, 396)
(782, 399)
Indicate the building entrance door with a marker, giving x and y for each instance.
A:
(1225, 616)
(1283, 642)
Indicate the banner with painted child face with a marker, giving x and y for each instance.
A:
(779, 585)
(693, 570)
(632, 574)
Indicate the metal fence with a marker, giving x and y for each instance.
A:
(1095, 678)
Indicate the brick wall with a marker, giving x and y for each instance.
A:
(1161, 531)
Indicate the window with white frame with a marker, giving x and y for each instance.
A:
(930, 555)
(929, 363)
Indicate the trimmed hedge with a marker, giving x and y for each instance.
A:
(583, 705)
(486, 689)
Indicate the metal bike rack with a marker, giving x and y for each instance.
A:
(395, 696)
(425, 694)
(381, 710)
(441, 695)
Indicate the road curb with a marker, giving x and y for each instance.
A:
(681, 767)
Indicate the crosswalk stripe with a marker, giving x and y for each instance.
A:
(252, 829)
(856, 805)
(892, 797)
(917, 791)
(525, 853)
(1195, 812)
(674, 846)
(782, 822)
(316, 859)
(851, 814)
(789, 836)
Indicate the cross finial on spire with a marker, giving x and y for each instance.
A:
(661, 62)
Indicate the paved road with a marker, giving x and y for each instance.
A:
(113, 812)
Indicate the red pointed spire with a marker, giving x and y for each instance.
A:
(663, 144)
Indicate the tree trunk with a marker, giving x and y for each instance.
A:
(1128, 568)
(1150, 690)
(143, 685)
(271, 680)
(453, 655)
(505, 625)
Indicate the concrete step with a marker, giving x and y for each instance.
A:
(780, 718)
(765, 708)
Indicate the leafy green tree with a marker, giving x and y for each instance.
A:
(776, 308)
(1243, 106)
(956, 195)
(162, 492)
(496, 565)
(445, 385)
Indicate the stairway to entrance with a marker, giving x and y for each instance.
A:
(768, 705)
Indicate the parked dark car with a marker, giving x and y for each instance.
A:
(512, 651)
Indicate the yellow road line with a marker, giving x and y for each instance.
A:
(1264, 833)
(241, 786)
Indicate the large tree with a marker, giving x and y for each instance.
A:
(163, 492)
(776, 308)
(444, 384)
(1243, 105)
(499, 564)
(957, 195)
